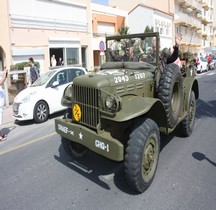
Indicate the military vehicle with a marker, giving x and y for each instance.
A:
(120, 111)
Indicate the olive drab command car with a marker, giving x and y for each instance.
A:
(120, 111)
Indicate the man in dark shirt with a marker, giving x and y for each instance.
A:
(33, 71)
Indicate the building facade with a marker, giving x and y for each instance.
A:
(142, 16)
(166, 6)
(194, 20)
(41, 28)
(105, 22)
(150, 13)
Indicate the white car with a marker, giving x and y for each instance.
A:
(202, 64)
(44, 96)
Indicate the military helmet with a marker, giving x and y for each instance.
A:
(165, 53)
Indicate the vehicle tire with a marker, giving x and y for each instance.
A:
(186, 126)
(142, 153)
(73, 149)
(170, 92)
(41, 112)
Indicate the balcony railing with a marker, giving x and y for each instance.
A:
(19, 21)
(193, 4)
(190, 40)
(204, 33)
(102, 34)
(206, 4)
(204, 18)
(186, 20)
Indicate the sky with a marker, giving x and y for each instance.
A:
(105, 2)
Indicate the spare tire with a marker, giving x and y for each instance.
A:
(170, 92)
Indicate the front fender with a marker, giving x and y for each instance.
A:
(136, 106)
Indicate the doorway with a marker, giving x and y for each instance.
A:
(58, 52)
(84, 64)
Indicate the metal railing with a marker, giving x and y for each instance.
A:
(6, 92)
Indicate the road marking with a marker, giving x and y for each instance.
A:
(211, 73)
(27, 143)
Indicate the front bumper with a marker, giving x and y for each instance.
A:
(102, 144)
(22, 111)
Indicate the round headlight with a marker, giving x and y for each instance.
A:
(110, 102)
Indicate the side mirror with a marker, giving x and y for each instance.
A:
(55, 84)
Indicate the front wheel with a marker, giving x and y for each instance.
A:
(41, 112)
(142, 155)
(73, 149)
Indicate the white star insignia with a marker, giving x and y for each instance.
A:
(80, 136)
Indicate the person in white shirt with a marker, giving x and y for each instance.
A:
(53, 61)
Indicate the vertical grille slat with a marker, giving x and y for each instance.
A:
(87, 98)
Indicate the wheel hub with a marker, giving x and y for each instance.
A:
(41, 112)
(149, 157)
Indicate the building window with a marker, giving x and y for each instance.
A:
(177, 30)
(72, 56)
(167, 31)
(204, 12)
(161, 31)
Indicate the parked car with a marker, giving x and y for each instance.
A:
(202, 64)
(44, 96)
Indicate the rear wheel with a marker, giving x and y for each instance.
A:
(186, 126)
(142, 155)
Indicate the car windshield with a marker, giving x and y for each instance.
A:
(132, 49)
(43, 78)
(203, 59)
(214, 57)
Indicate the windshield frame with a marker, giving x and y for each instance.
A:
(129, 37)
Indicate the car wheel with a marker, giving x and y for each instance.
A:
(170, 92)
(186, 126)
(142, 154)
(41, 112)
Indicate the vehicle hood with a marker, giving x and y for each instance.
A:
(30, 90)
(111, 77)
(100, 79)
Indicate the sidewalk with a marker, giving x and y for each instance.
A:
(7, 115)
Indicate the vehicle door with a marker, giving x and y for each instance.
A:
(56, 88)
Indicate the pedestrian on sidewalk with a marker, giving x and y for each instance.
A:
(34, 74)
(2, 137)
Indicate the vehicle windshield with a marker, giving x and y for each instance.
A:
(132, 49)
(43, 78)
(203, 59)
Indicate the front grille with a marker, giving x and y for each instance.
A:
(87, 98)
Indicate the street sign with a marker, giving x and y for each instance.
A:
(102, 46)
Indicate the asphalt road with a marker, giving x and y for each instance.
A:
(35, 172)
